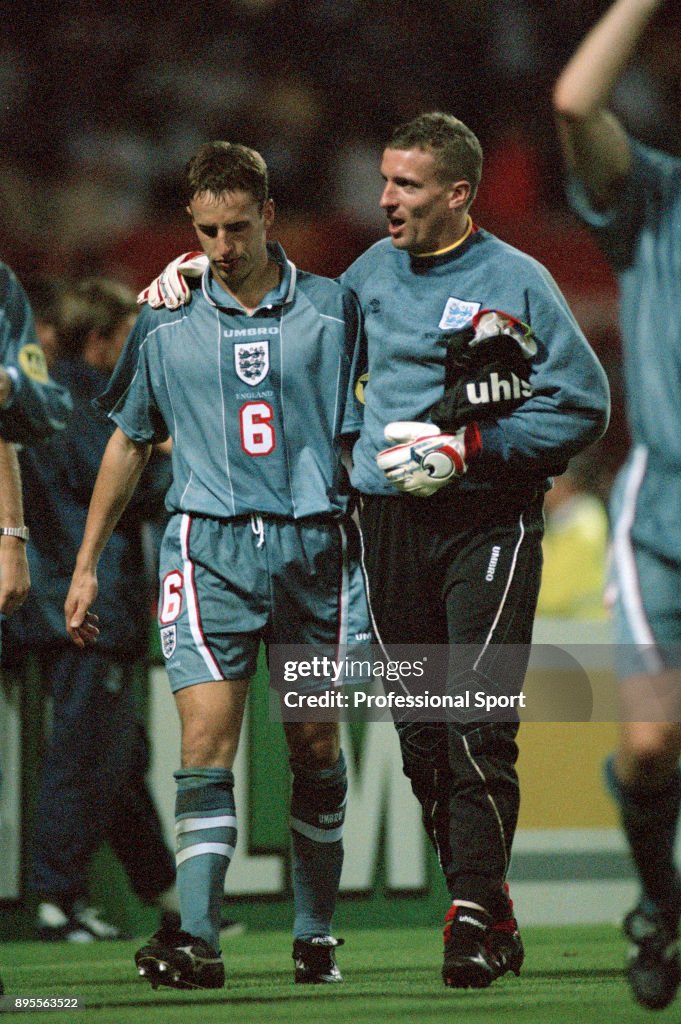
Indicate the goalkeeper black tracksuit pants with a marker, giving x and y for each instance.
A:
(460, 570)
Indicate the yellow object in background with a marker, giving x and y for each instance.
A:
(575, 797)
(574, 546)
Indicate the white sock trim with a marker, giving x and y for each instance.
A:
(201, 849)
(470, 905)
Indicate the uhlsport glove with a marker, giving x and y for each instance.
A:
(170, 288)
(422, 459)
(487, 370)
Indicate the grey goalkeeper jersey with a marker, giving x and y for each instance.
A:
(256, 405)
(410, 304)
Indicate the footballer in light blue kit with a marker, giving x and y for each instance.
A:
(640, 236)
(252, 381)
(256, 414)
(629, 196)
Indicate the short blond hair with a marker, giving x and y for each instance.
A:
(456, 149)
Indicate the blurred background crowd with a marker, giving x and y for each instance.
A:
(101, 105)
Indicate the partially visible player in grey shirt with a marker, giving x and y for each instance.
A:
(630, 197)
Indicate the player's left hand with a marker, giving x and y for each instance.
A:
(170, 288)
(423, 460)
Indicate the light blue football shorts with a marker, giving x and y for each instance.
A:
(227, 585)
(645, 569)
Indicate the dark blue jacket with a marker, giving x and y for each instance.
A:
(37, 405)
(58, 478)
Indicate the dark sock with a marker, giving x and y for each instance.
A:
(649, 817)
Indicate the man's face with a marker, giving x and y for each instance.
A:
(424, 213)
(232, 231)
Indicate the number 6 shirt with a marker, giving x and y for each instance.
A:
(256, 405)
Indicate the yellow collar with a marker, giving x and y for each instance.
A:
(448, 248)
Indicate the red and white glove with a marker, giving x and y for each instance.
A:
(170, 288)
(422, 459)
(490, 323)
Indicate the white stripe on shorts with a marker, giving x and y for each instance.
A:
(193, 604)
(625, 560)
(344, 595)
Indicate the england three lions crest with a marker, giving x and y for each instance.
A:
(457, 313)
(168, 636)
(252, 361)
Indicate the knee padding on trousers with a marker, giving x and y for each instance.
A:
(493, 740)
(423, 746)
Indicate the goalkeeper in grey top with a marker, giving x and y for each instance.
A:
(452, 523)
(252, 382)
(479, 386)
(630, 197)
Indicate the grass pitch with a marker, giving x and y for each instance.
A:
(571, 976)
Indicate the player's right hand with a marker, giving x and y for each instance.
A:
(81, 624)
(424, 460)
(170, 288)
(15, 578)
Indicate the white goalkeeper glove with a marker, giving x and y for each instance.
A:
(170, 288)
(422, 459)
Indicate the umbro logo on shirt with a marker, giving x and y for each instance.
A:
(249, 332)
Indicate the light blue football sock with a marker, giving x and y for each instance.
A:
(205, 829)
(318, 800)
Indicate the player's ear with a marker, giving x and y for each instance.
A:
(459, 194)
(268, 213)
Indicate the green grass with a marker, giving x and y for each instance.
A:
(571, 976)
